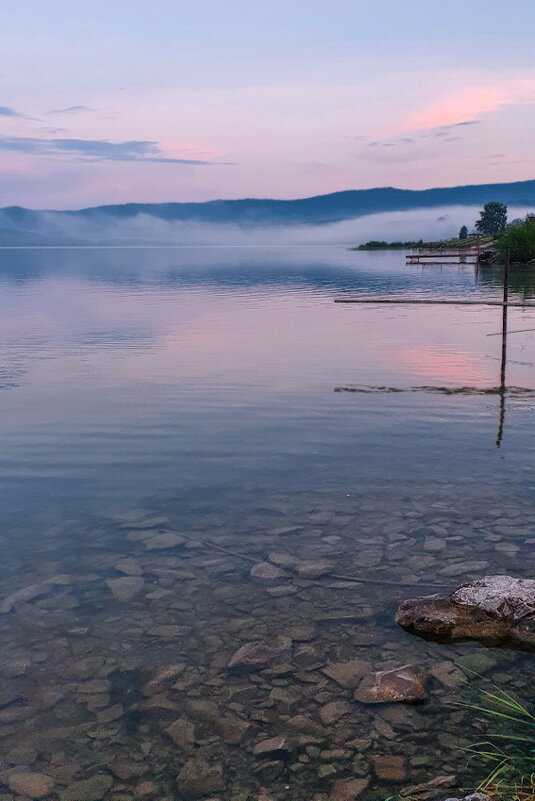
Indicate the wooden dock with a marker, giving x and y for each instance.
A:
(454, 254)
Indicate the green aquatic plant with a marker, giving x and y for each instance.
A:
(519, 240)
(508, 752)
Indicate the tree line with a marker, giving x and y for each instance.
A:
(518, 237)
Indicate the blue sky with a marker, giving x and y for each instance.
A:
(117, 101)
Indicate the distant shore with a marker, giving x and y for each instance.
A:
(420, 243)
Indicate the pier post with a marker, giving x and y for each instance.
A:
(504, 347)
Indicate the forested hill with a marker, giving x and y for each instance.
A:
(312, 210)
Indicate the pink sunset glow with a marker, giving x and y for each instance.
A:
(273, 101)
(469, 103)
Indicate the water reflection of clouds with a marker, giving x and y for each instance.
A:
(447, 364)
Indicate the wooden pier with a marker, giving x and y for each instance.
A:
(454, 254)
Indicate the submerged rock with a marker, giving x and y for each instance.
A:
(348, 789)
(390, 767)
(332, 712)
(347, 674)
(231, 729)
(125, 588)
(266, 573)
(182, 733)
(199, 778)
(313, 568)
(24, 595)
(280, 591)
(492, 610)
(164, 541)
(91, 789)
(272, 746)
(261, 654)
(404, 684)
(32, 785)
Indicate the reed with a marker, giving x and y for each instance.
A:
(508, 752)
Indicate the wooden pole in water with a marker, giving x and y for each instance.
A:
(504, 347)
(425, 302)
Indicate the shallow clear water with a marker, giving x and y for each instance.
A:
(220, 393)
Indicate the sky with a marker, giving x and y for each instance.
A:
(172, 100)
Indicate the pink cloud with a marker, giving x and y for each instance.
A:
(470, 103)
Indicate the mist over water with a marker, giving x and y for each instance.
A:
(437, 223)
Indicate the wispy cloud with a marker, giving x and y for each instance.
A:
(447, 133)
(9, 112)
(69, 110)
(93, 150)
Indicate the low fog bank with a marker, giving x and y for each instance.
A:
(144, 229)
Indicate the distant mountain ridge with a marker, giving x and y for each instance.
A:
(250, 212)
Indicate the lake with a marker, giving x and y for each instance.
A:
(172, 415)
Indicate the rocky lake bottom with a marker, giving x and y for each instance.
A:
(212, 650)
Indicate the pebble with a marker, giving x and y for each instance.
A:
(199, 778)
(348, 789)
(332, 712)
(182, 733)
(32, 785)
(163, 542)
(266, 573)
(390, 767)
(125, 588)
(404, 684)
(262, 654)
(88, 789)
(347, 674)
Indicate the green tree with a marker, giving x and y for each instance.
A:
(520, 239)
(493, 219)
(463, 233)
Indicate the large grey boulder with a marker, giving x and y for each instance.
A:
(493, 610)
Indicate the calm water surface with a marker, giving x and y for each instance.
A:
(220, 398)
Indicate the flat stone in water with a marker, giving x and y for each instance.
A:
(271, 746)
(199, 778)
(92, 789)
(125, 588)
(129, 566)
(261, 654)
(164, 541)
(332, 712)
(282, 558)
(32, 785)
(24, 595)
(266, 573)
(403, 684)
(282, 590)
(313, 568)
(348, 789)
(182, 733)
(390, 767)
(347, 674)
